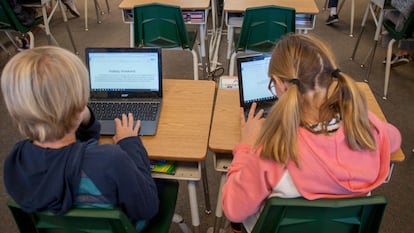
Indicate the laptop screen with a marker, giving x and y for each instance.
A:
(254, 79)
(124, 72)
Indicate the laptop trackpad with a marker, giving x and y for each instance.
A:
(147, 127)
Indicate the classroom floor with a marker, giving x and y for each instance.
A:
(398, 108)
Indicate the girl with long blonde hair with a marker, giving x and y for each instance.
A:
(318, 141)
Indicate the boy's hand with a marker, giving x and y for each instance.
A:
(125, 128)
(85, 117)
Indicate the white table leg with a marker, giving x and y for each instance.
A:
(192, 194)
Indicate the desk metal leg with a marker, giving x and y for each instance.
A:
(214, 14)
(204, 61)
(12, 40)
(205, 188)
(219, 210)
(131, 34)
(192, 194)
(230, 33)
(46, 21)
(86, 15)
(364, 19)
(376, 38)
(4, 48)
(65, 19)
(351, 29)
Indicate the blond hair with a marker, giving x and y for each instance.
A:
(310, 63)
(45, 89)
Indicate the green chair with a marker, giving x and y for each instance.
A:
(47, 18)
(10, 23)
(161, 25)
(407, 32)
(262, 27)
(297, 215)
(79, 220)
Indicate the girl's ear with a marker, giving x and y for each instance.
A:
(281, 86)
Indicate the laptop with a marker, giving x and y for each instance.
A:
(253, 80)
(124, 80)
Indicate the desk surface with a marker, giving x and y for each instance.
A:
(184, 125)
(225, 127)
(301, 6)
(184, 4)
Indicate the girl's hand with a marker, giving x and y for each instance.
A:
(251, 126)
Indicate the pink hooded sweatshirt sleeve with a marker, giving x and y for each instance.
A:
(329, 169)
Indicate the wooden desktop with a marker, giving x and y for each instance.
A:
(301, 6)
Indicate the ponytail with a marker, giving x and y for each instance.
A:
(278, 137)
(353, 109)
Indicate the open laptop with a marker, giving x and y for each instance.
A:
(253, 80)
(124, 80)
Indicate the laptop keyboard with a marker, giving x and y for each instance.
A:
(110, 111)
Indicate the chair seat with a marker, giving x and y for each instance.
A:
(166, 43)
(406, 33)
(21, 28)
(344, 215)
(79, 220)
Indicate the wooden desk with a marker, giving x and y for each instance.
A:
(301, 6)
(306, 11)
(194, 12)
(225, 128)
(225, 132)
(185, 4)
(183, 133)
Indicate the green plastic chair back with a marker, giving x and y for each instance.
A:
(9, 21)
(161, 25)
(298, 215)
(94, 220)
(263, 26)
(406, 32)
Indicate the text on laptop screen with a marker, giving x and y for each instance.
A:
(255, 80)
(123, 71)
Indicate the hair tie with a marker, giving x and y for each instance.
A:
(335, 73)
(295, 81)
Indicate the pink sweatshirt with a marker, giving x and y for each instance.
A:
(329, 169)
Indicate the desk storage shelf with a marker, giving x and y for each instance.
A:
(189, 16)
(304, 22)
(183, 171)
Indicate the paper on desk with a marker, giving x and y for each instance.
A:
(229, 83)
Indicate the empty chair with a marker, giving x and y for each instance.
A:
(9, 23)
(407, 32)
(161, 25)
(261, 29)
(47, 17)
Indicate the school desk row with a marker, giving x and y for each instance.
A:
(196, 12)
